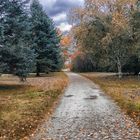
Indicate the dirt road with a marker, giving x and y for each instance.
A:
(85, 113)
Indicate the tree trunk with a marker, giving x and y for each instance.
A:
(37, 70)
(93, 64)
(22, 79)
(119, 69)
(37, 74)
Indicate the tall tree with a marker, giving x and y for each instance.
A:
(120, 36)
(13, 25)
(45, 40)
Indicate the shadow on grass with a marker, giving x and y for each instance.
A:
(51, 74)
(10, 87)
(12, 90)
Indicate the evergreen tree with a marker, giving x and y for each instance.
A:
(45, 40)
(14, 49)
(25, 62)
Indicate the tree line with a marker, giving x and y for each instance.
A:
(108, 33)
(29, 41)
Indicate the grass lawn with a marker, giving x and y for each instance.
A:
(126, 92)
(24, 105)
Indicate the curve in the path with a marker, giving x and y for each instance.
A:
(85, 113)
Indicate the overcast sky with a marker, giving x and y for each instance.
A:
(58, 9)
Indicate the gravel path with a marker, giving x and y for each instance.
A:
(85, 113)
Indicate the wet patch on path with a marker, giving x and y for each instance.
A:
(68, 96)
(93, 97)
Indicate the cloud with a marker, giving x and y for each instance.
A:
(64, 27)
(58, 9)
(62, 6)
(62, 17)
(54, 7)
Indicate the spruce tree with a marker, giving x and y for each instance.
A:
(45, 40)
(14, 49)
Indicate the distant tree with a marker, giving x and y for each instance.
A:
(45, 40)
(82, 63)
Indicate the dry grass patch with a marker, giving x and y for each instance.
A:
(23, 106)
(126, 92)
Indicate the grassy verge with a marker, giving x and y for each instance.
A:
(126, 92)
(23, 106)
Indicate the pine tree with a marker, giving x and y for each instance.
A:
(45, 40)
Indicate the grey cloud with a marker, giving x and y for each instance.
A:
(57, 7)
(62, 6)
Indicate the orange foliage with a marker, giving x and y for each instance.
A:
(65, 41)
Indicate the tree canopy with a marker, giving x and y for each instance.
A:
(109, 32)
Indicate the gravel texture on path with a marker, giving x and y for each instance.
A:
(86, 113)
